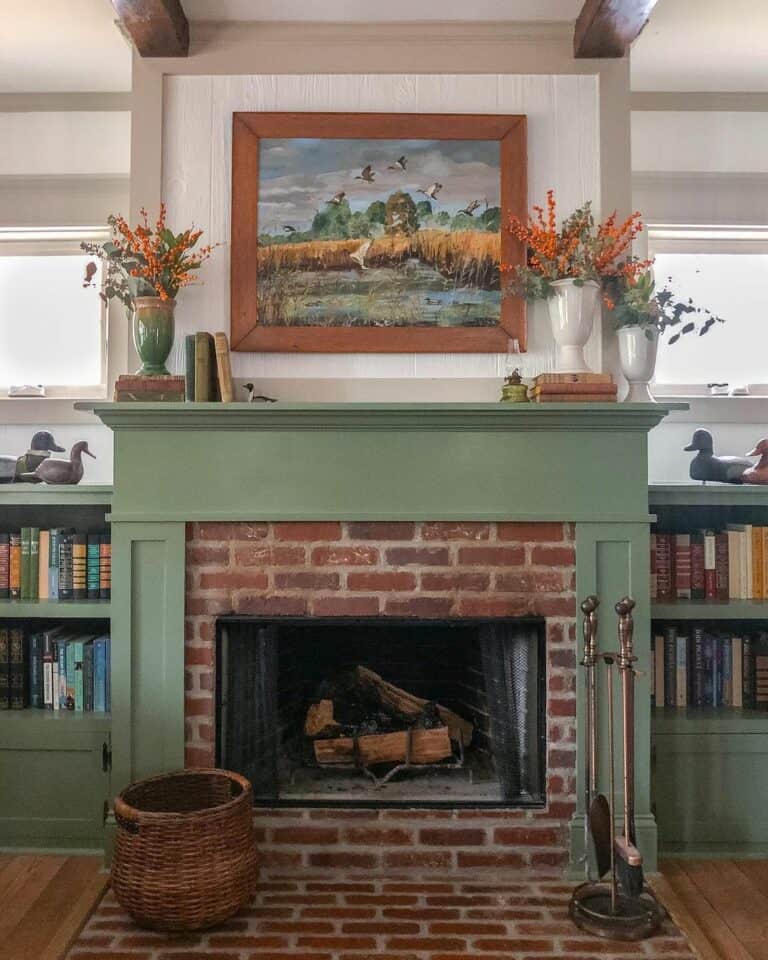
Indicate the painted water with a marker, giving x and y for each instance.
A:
(409, 294)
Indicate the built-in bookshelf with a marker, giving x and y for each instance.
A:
(698, 749)
(55, 762)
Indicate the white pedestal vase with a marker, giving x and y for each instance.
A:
(637, 354)
(572, 312)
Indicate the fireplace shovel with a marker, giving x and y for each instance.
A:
(629, 861)
(597, 817)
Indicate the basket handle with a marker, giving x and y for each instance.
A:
(123, 818)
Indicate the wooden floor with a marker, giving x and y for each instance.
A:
(44, 901)
(722, 905)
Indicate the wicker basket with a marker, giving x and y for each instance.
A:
(184, 857)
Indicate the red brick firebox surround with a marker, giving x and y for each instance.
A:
(429, 569)
(465, 884)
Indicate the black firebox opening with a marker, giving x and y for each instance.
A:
(456, 708)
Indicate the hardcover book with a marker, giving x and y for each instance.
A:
(65, 565)
(710, 566)
(79, 566)
(18, 669)
(93, 546)
(14, 560)
(698, 587)
(664, 572)
(43, 585)
(5, 566)
(683, 566)
(722, 567)
(670, 665)
(5, 669)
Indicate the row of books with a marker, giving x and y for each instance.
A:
(54, 669)
(56, 564)
(696, 667)
(207, 376)
(573, 388)
(704, 565)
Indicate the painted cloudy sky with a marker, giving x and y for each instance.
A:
(297, 176)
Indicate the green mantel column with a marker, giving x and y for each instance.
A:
(585, 463)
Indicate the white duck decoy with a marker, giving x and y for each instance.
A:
(54, 470)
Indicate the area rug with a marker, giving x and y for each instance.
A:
(509, 916)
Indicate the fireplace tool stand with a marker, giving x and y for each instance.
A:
(600, 908)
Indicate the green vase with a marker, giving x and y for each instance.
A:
(153, 334)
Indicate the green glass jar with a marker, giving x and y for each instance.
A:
(153, 332)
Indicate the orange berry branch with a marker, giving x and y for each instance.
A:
(146, 261)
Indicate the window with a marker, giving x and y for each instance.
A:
(726, 271)
(52, 330)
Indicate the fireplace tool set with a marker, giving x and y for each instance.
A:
(619, 909)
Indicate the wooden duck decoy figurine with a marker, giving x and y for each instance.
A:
(759, 472)
(58, 471)
(706, 466)
(40, 448)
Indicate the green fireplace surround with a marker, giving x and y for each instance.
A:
(585, 463)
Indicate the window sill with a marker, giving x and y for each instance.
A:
(44, 410)
(706, 409)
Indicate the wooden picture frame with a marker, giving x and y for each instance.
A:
(249, 129)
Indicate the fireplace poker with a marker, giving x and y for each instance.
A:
(589, 661)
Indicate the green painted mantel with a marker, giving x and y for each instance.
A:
(379, 461)
(585, 463)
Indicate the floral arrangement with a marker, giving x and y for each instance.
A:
(579, 249)
(635, 302)
(148, 261)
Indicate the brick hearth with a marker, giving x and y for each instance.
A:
(398, 569)
(397, 916)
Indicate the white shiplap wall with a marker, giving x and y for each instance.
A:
(563, 153)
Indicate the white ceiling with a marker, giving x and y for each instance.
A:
(703, 45)
(61, 45)
(377, 11)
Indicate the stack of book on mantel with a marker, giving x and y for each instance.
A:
(574, 388)
(145, 389)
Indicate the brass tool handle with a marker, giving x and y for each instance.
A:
(625, 661)
(624, 609)
(589, 661)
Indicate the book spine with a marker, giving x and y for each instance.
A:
(47, 658)
(722, 566)
(681, 672)
(659, 670)
(748, 687)
(757, 563)
(14, 575)
(65, 565)
(202, 368)
(99, 678)
(105, 567)
(710, 569)
(35, 670)
(654, 584)
(717, 672)
(683, 566)
(88, 677)
(727, 672)
(79, 566)
(737, 672)
(764, 531)
(19, 670)
(34, 563)
(189, 366)
(670, 666)
(92, 565)
(224, 367)
(5, 566)
(79, 670)
(42, 566)
(697, 695)
(761, 681)
(108, 673)
(62, 675)
(53, 564)
(5, 669)
(26, 549)
(664, 584)
(70, 675)
(698, 588)
(709, 666)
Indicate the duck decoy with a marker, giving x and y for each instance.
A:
(759, 472)
(257, 396)
(41, 447)
(706, 466)
(54, 470)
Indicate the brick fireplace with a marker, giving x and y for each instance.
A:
(422, 512)
(421, 570)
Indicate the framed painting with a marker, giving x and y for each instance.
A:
(375, 233)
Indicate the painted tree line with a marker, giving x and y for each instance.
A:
(399, 215)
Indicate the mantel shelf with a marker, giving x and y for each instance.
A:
(382, 416)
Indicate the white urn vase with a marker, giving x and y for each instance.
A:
(572, 311)
(637, 354)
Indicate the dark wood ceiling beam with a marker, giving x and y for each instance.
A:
(158, 28)
(606, 28)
